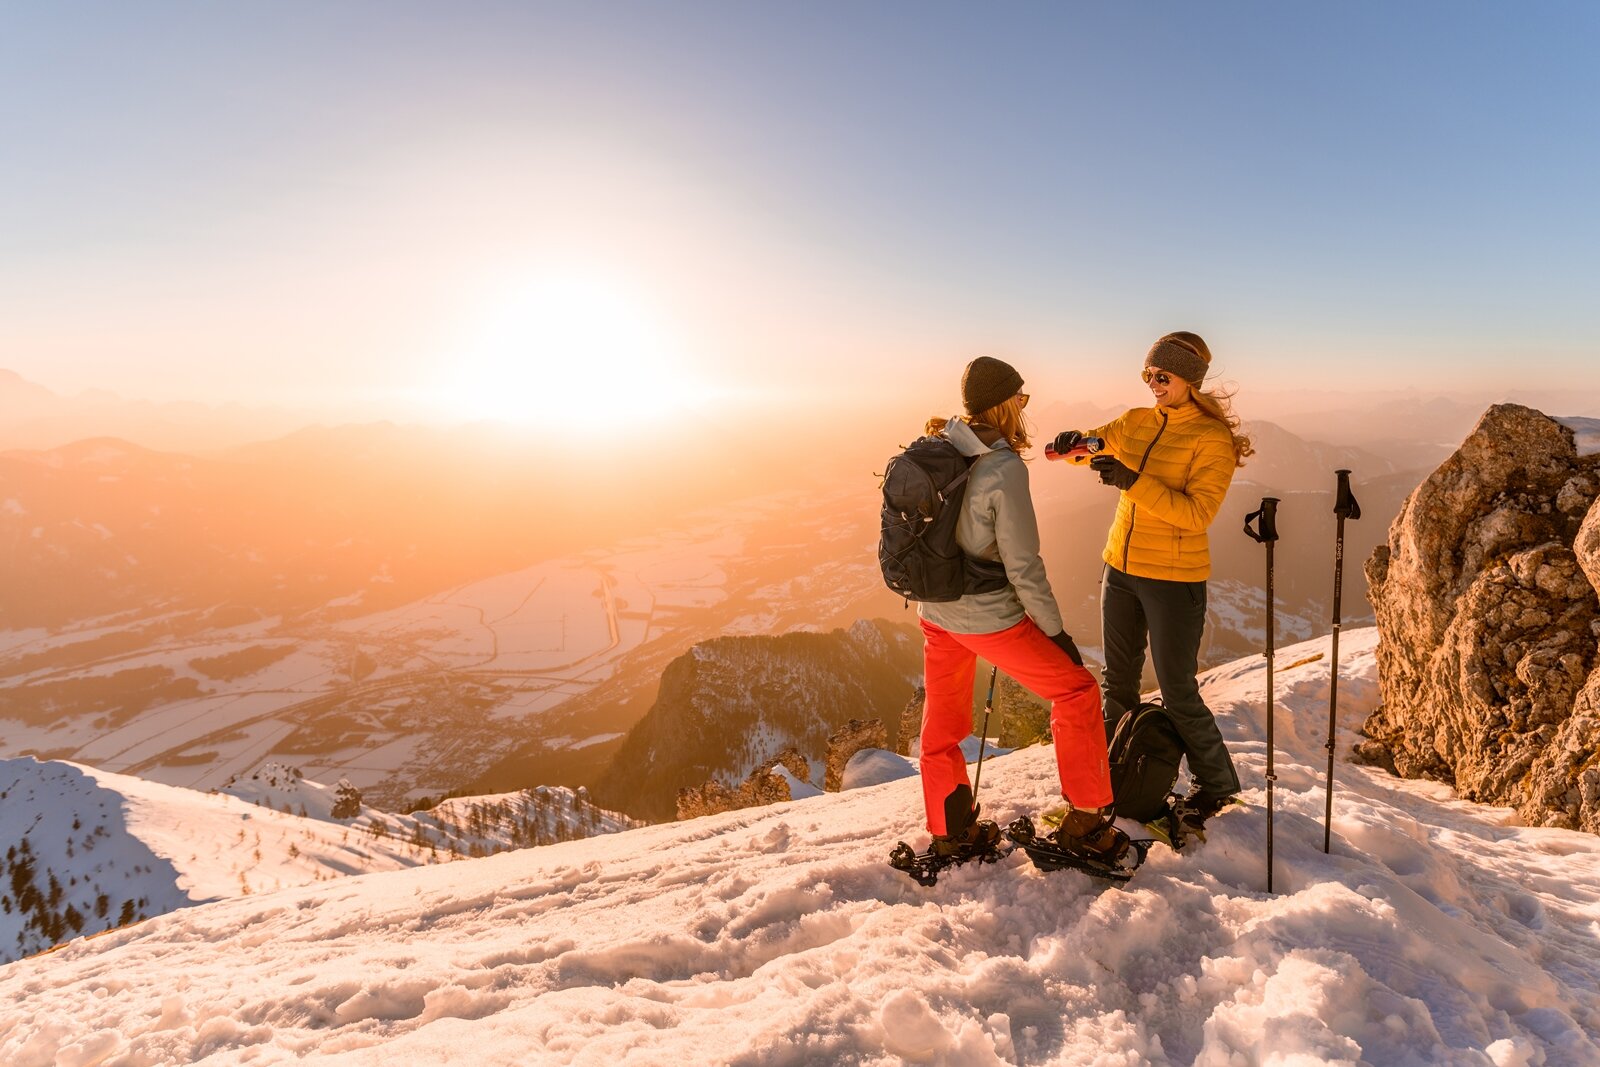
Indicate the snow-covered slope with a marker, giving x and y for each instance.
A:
(100, 849)
(1437, 932)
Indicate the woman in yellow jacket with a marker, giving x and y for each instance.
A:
(1173, 463)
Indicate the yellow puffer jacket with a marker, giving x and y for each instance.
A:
(1185, 462)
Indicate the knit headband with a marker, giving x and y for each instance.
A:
(1178, 359)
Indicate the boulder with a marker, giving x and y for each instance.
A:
(1486, 604)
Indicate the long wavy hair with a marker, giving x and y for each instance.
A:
(1006, 416)
(1218, 402)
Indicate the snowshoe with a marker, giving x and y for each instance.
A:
(980, 844)
(1184, 819)
(1086, 841)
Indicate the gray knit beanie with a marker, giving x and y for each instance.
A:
(1177, 356)
(988, 382)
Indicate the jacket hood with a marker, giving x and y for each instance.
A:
(973, 440)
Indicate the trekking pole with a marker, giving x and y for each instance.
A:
(983, 738)
(1345, 507)
(1267, 533)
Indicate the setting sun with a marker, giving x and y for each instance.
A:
(566, 348)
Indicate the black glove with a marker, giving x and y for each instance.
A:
(1065, 440)
(1113, 472)
(1063, 641)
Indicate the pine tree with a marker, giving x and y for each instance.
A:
(347, 800)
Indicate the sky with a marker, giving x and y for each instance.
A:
(507, 210)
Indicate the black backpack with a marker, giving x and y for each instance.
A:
(923, 488)
(1145, 751)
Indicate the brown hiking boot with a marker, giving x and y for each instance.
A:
(981, 835)
(1091, 833)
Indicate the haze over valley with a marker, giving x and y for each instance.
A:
(425, 610)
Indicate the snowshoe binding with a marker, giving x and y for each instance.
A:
(1184, 820)
(1086, 840)
(970, 839)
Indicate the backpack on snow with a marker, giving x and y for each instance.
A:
(923, 488)
(1145, 751)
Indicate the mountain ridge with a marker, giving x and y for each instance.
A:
(86, 850)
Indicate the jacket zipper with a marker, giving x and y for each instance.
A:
(1133, 509)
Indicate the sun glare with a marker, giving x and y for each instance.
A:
(572, 349)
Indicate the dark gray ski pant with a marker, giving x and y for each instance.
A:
(1169, 617)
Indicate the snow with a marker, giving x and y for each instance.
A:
(875, 766)
(597, 739)
(798, 790)
(162, 847)
(1436, 932)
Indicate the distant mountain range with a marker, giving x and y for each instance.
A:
(32, 416)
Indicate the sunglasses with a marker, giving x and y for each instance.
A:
(1160, 377)
(1022, 400)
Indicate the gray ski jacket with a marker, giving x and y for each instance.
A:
(997, 523)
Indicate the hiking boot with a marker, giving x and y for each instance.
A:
(1090, 832)
(981, 835)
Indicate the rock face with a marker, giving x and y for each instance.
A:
(856, 735)
(1486, 602)
(1020, 718)
(911, 721)
(727, 704)
(762, 787)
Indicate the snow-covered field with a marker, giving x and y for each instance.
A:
(420, 698)
(1437, 932)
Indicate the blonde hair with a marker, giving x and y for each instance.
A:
(1006, 416)
(1217, 403)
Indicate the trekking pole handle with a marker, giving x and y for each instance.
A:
(1344, 502)
(1266, 519)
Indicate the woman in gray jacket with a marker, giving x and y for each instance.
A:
(1018, 628)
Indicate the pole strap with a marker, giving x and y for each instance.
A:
(1266, 519)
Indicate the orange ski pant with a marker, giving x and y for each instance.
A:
(950, 663)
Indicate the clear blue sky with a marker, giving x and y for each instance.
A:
(270, 201)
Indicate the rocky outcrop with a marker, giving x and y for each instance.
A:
(1020, 718)
(911, 721)
(1486, 602)
(727, 704)
(763, 786)
(856, 735)
(713, 798)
